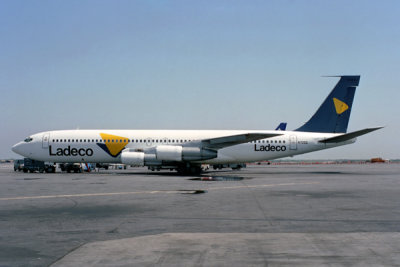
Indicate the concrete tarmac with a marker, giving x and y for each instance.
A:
(263, 215)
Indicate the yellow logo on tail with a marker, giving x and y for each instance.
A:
(113, 143)
(340, 106)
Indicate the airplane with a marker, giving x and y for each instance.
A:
(185, 150)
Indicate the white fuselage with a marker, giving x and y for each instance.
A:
(86, 145)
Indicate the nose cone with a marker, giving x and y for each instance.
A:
(18, 148)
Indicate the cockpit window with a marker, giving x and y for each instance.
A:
(28, 139)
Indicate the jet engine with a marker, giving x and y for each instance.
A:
(179, 153)
(167, 153)
(132, 158)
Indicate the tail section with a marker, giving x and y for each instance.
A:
(281, 126)
(334, 113)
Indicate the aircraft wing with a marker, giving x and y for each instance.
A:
(231, 140)
(348, 136)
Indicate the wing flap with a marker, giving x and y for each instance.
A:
(348, 136)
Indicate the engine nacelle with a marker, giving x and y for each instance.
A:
(166, 153)
(197, 153)
(132, 158)
(169, 153)
(179, 153)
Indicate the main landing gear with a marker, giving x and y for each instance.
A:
(189, 169)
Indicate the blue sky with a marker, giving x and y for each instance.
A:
(197, 65)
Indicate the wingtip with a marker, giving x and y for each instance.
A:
(377, 128)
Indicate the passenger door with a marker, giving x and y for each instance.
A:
(45, 140)
(293, 142)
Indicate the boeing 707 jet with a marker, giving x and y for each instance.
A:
(186, 150)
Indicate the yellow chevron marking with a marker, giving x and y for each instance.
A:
(114, 143)
(340, 106)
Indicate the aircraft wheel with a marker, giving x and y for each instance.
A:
(189, 170)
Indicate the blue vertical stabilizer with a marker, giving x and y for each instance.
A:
(281, 126)
(334, 113)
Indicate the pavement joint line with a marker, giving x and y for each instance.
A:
(263, 185)
(148, 192)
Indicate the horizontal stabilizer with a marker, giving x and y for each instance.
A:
(225, 141)
(348, 136)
